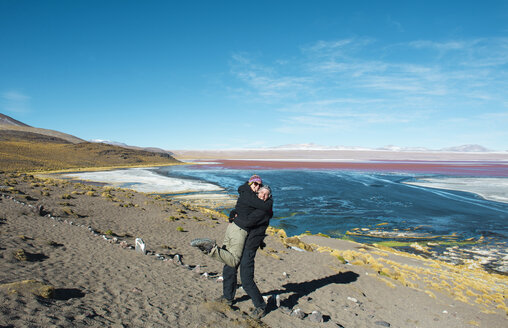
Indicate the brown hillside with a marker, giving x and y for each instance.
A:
(34, 155)
(44, 132)
(7, 120)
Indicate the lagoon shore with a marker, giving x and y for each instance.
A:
(77, 240)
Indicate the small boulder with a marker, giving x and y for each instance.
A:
(316, 316)
(298, 313)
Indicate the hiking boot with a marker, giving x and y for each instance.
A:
(258, 313)
(204, 244)
(224, 300)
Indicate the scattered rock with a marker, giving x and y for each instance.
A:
(352, 299)
(316, 316)
(140, 246)
(40, 210)
(197, 269)
(177, 259)
(382, 323)
(124, 244)
(277, 300)
(298, 313)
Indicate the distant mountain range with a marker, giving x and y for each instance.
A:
(305, 150)
(121, 144)
(312, 146)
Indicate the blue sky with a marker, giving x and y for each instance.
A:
(238, 74)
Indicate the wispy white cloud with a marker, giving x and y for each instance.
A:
(14, 102)
(267, 83)
(357, 83)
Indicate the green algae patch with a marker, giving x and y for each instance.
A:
(34, 287)
(292, 214)
(392, 243)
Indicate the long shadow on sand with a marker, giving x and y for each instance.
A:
(301, 289)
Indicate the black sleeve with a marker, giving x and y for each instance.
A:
(252, 200)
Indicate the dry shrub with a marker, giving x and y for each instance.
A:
(34, 287)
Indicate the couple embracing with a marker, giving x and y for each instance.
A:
(244, 235)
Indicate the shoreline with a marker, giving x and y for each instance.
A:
(375, 271)
(438, 247)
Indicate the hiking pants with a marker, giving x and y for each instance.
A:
(232, 248)
(247, 276)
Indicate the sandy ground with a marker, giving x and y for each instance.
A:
(78, 245)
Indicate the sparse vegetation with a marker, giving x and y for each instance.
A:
(180, 229)
(21, 154)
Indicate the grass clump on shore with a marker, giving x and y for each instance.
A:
(34, 287)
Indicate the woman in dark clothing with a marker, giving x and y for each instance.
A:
(250, 212)
(253, 242)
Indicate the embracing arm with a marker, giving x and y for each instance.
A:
(252, 200)
(257, 218)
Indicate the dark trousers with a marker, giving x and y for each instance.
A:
(247, 276)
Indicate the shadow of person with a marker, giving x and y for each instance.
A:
(301, 289)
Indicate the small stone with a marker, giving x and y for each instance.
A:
(205, 275)
(177, 259)
(277, 300)
(382, 323)
(220, 279)
(352, 299)
(136, 290)
(285, 275)
(124, 244)
(316, 316)
(445, 312)
(140, 246)
(197, 269)
(298, 313)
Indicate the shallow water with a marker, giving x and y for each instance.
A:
(374, 206)
(371, 206)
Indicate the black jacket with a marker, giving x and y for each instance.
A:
(251, 211)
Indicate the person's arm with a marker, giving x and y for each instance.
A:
(257, 218)
(252, 200)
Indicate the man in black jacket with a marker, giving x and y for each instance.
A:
(253, 242)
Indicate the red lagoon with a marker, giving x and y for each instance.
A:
(491, 169)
